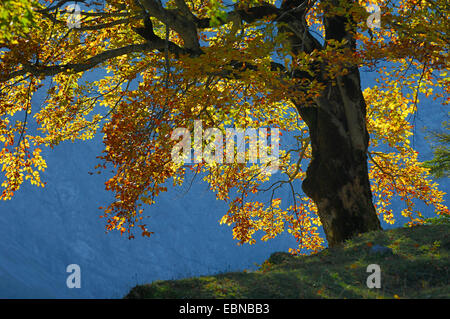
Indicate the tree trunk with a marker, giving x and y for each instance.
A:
(337, 176)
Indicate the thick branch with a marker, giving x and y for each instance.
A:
(182, 25)
(249, 15)
(183, 7)
(38, 70)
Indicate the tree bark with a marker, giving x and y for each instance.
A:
(337, 176)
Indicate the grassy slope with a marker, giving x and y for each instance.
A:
(417, 268)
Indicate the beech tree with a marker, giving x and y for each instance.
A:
(293, 65)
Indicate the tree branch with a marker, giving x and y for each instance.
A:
(181, 24)
(38, 70)
(249, 15)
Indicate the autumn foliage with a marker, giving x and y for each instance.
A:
(236, 77)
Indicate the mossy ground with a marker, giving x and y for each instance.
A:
(418, 267)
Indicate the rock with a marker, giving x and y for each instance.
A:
(381, 250)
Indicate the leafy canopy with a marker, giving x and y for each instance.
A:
(234, 72)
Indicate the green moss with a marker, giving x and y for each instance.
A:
(417, 268)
